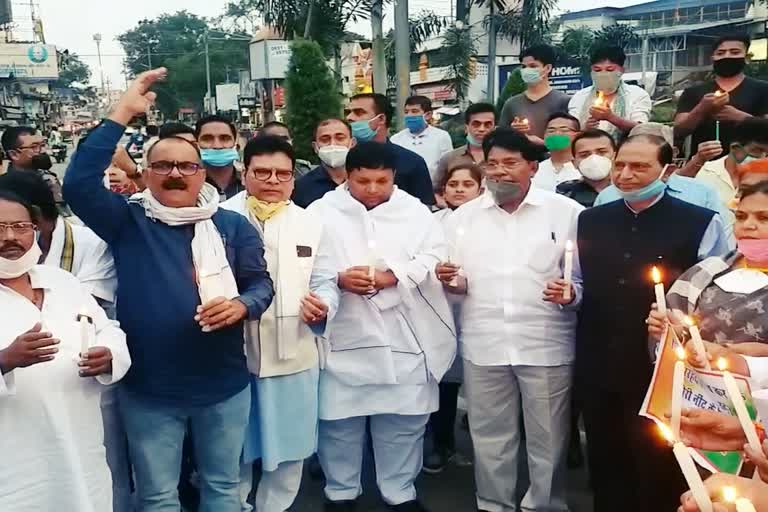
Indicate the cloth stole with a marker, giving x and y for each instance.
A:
(67, 260)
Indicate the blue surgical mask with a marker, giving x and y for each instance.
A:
(219, 157)
(415, 123)
(473, 141)
(362, 131)
(653, 189)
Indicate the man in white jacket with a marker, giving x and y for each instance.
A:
(282, 352)
(390, 339)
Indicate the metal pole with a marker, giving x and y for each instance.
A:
(402, 56)
(208, 74)
(491, 56)
(149, 56)
(379, 62)
(644, 59)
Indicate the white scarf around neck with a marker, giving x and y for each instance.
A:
(214, 275)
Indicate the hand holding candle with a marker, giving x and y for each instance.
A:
(678, 381)
(742, 504)
(698, 343)
(453, 258)
(568, 269)
(371, 259)
(87, 332)
(661, 300)
(691, 474)
(734, 395)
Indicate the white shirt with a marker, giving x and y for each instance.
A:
(638, 106)
(92, 261)
(548, 177)
(508, 260)
(431, 145)
(719, 179)
(51, 433)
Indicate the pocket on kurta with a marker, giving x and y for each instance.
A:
(362, 366)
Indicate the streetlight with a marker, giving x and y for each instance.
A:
(97, 39)
(206, 38)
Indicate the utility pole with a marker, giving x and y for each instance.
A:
(491, 55)
(149, 56)
(645, 58)
(97, 39)
(402, 56)
(379, 62)
(208, 74)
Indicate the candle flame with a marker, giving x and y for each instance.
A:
(666, 432)
(371, 244)
(680, 352)
(722, 364)
(656, 274)
(568, 245)
(718, 93)
(688, 321)
(730, 494)
(600, 99)
(525, 120)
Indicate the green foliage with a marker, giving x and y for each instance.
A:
(459, 46)
(176, 42)
(529, 20)
(73, 71)
(577, 44)
(514, 86)
(422, 28)
(757, 70)
(311, 94)
(620, 34)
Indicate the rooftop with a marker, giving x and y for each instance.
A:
(638, 9)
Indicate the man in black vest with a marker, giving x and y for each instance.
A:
(619, 242)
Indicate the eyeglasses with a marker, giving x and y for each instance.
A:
(38, 147)
(164, 167)
(507, 166)
(18, 228)
(265, 174)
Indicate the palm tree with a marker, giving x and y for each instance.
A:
(577, 44)
(460, 45)
(424, 26)
(621, 35)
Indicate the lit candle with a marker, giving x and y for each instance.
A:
(698, 343)
(677, 393)
(525, 121)
(455, 250)
(742, 504)
(734, 394)
(717, 121)
(661, 301)
(86, 330)
(568, 270)
(371, 259)
(691, 474)
(210, 286)
(600, 101)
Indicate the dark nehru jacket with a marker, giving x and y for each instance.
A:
(617, 249)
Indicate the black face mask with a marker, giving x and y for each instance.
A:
(729, 67)
(41, 161)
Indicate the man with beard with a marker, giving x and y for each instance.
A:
(28, 151)
(190, 274)
(731, 97)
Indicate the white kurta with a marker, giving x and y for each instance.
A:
(386, 352)
(92, 261)
(51, 434)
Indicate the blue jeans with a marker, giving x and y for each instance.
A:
(155, 438)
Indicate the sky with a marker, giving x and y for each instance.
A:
(71, 24)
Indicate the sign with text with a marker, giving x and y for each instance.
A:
(29, 61)
(702, 389)
(269, 59)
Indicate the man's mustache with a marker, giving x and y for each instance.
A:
(11, 245)
(174, 184)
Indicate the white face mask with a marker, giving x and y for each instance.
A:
(333, 156)
(595, 167)
(11, 269)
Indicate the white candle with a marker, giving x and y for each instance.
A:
(678, 380)
(86, 328)
(692, 477)
(742, 504)
(568, 269)
(371, 259)
(452, 258)
(210, 286)
(734, 394)
(661, 301)
(698, 343)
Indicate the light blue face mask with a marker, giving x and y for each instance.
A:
(653, 189)
(473, 141)
(219, 157)
(362, 131)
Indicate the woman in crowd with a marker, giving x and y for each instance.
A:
(459, 185)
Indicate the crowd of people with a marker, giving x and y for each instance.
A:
(211, 313)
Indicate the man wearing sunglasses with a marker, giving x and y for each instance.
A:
(282, 352)
(27, 150)
(190, 273)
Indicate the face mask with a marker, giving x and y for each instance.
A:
(41, 161)
(754, 250)
(504, 192)
(653, 189)
(415, 124)
(595, 167)
(11, 269)
(742, 161)
(729, 67)
(530, 75)
(557, 142)
(473, 141)
(362, 131)
(606, 81)
(219, 157)
(333, 156)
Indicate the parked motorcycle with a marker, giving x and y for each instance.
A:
(59, 152)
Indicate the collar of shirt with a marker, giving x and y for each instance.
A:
(236, 181)
(717, 168)
(533, 198)
(36, 280)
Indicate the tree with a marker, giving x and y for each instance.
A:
(577, 44)
(529, 20)
(513, 87)
(175, 41)
(460, 46)
(73, 71)
(310, 94)
(621, 35)
(422, 27)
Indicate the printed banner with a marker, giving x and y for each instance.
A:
(702, 389)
